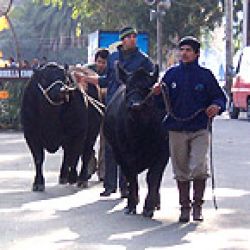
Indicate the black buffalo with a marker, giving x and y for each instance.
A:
(55, 115)
(133, 128)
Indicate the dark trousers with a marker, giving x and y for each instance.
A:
(112, 171)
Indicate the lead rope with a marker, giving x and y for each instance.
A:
(168, 109)
(45, 93)
(210, 129)
(88, 99)
(96, 104)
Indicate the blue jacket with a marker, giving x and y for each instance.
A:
(130, 62)
(191, 88)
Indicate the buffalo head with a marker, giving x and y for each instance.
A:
(138, 86)
(54, 83)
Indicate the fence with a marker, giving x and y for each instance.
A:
(12, 84)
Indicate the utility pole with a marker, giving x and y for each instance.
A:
(229, 44)
(161, 7)
(159, 36)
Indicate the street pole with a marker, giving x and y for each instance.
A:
(161, 7)
(159, 36)
(229, 46)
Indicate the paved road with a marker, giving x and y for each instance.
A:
(65, 217)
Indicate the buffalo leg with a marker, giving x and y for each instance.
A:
(83, 177)
(133, 199)
(84, 173)
(70, 160)
(64, 172)
(152, 202)
(68, 173)
(38, 157)
(93, 130)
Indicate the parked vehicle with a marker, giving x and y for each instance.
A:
(240, 98)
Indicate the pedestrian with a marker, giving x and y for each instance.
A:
(25, 64)
(194, 98)
(12, 62)
(131, 59)
(99, 66)
(35, 64)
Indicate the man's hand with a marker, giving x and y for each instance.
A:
(78, 76)
(83, 79)
(80, 79)
(212, 110)
(156, 88)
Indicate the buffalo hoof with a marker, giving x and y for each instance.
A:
(148, 213)
(72, 177)
(38, 187)
(82, 184)
(158, 206)
(129, 211)
(63, 180)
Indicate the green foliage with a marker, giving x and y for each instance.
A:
(44, 26)
(43, 30)
(184, 17)
(10, 108)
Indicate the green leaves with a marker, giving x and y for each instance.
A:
(57, 21)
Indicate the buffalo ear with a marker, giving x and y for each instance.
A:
(121, 73)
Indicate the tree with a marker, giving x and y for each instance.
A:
(59, 20)
(184, 17)
(53, 34)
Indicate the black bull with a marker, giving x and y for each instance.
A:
(133, 128)
(54, 116)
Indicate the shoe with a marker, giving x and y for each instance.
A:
(107, 192)
(197, 213)
(185, 215)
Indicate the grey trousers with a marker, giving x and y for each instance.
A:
(189, 154)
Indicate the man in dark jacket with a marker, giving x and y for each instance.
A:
(131, 58)
(194, 97)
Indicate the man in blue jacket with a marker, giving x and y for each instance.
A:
(131, 59)
(194, 97)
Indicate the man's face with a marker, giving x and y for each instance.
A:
(187, 54)
(129, 41)
(101, 64)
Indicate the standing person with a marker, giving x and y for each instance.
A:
(194, 97)
(12, 63)
(131, 58)
(99, 66)
(35, 64)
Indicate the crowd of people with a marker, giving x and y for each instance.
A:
(25, 64)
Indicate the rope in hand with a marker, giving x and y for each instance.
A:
(88, 99)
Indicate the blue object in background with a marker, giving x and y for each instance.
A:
(103, 39)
